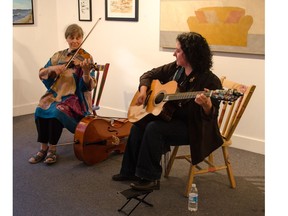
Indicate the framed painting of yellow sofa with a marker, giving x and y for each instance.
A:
(228, 25)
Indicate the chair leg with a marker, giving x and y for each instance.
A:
(190, 180)
(229, 167)
(171, 161)
(211, 159)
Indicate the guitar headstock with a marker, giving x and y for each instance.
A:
(230, 95)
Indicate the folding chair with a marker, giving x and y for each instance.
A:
(131, 194)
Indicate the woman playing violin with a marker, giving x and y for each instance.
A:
(69, 79)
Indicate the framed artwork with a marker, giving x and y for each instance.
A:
(84, 10)
(233, 27)
(120, 10)
(23, 12)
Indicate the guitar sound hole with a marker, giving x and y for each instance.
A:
(159, 98)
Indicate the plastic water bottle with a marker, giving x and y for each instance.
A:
(193, 199)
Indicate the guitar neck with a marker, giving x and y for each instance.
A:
(185, 95)
(159, 94)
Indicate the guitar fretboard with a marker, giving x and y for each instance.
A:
(185, 95)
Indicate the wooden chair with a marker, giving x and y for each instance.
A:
(228, 119)
(98, 89)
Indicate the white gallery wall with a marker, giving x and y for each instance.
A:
(131, 48)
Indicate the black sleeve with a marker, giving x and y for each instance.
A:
(162, 73)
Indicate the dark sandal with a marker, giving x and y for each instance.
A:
(51, 157)
(37, 158)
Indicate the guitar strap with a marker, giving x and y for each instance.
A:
(178, 74)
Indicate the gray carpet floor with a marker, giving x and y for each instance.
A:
(72, 188)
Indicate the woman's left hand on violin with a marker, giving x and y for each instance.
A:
(87, 65)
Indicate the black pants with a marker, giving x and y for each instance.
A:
(49, 130)
(145, 147)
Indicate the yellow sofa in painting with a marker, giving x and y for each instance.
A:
(222, 25)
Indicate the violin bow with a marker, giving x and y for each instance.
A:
(71, 59)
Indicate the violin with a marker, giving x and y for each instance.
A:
(77, 59)
(97, 137)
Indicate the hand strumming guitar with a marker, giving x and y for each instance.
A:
(142, 96)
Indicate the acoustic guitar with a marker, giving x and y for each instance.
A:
(159, 94)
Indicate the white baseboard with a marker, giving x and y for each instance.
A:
(104, 111)
(240, 142)
(111, 112)
(248, 144)
(24, 109)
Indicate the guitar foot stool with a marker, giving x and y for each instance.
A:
(137, 195)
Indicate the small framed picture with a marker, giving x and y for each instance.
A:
(85, 10)
(23, 12)
(120, 10)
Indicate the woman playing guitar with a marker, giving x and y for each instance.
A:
(190, 122)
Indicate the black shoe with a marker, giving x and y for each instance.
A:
(144, 185)
(121, 177)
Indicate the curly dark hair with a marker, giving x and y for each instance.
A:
(196, 50)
